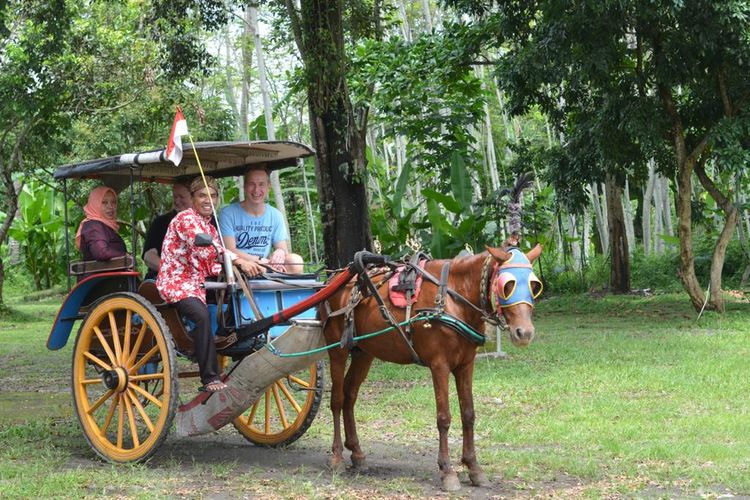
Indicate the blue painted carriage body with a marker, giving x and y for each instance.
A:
(270, 300)
(70, 311)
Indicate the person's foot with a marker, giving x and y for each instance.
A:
(213, 386)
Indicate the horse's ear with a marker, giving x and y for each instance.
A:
(534, 253)
(498, 253)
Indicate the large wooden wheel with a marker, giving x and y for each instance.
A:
(286, 410)
(124, 379)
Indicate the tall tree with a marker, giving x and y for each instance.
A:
(338, 128)
(661, 75)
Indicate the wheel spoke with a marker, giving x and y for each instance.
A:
(144, 416)
(137, 346)
(105, 345)
(96, 360)
(120, 420)
(110, 414)
(299, 381)
(150, 376)
(142, 361)
(253, 411)
(131, 420)
(279, 406)
(126, 336)
(145, 394)
(290, 398)
(89, 381)
(115, 336)
(268, 412)
(99, 402)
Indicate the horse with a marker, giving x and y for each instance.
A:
(466, 296)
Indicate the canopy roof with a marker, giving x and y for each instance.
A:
(218, 159)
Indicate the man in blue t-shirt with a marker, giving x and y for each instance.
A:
(256, 230)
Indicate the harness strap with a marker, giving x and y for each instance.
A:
(454, 294)
(388, 317)
(442, 287)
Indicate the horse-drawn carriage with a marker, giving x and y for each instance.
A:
(126, 368)
(125, 373)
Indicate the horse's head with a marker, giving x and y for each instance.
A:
(514, 287)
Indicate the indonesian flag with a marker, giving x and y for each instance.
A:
(174, 146)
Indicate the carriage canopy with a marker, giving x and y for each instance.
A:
(218, 159)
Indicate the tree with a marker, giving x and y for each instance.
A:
(78, 80)
(660, 75)
(337, 127)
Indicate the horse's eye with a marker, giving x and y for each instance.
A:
(535, 286)
(508, 288)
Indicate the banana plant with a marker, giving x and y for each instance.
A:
(40, 231)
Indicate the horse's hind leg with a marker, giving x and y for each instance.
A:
(355, 375)
(338, 359)
(464, 377)
(448, 475)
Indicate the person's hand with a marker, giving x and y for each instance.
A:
(251, 268)
(276, 260)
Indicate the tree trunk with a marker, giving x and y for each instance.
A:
(716, 300)
(338, 132)
(247, 64)
(685, 164)
(618, 242)
(628, 213)
(600, 219)
(270, 128)
(648, 196)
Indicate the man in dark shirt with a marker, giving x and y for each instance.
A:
(181, 200)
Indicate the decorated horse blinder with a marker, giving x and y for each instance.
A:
(514, 281)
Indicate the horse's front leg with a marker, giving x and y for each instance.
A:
(448, 475)
(338, 359)
(464, 377)
(355, 375)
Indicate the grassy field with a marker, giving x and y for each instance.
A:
(618, 397)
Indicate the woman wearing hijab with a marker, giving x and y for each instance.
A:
(97, 237)
(184, 268)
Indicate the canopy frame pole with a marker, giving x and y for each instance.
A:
(132, 216)
(67, 234)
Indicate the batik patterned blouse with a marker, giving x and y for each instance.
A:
(184, 266)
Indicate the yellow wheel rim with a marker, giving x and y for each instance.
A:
(285, 411)
(124, 384)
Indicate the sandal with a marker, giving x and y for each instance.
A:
(214, 386)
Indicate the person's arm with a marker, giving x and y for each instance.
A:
(278, 256)
(152, 260)
(157, 230)
(96, 237)
(249, 267)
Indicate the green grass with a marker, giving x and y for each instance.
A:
(619, 396)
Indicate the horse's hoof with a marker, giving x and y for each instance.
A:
(478, 478)
(336, 465)
(359, 463)
(451, 482)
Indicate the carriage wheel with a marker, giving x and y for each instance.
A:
(125, 384)
(286, 410)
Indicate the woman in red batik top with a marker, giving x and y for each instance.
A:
(185, 267)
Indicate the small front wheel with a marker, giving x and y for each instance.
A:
(286, 410)
(124, 379)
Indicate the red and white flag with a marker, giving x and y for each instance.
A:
(174, 146)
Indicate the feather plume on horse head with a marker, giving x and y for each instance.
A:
(514, 207)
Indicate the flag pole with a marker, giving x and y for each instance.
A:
(203, 176)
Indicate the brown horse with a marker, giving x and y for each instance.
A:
(437, 346)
